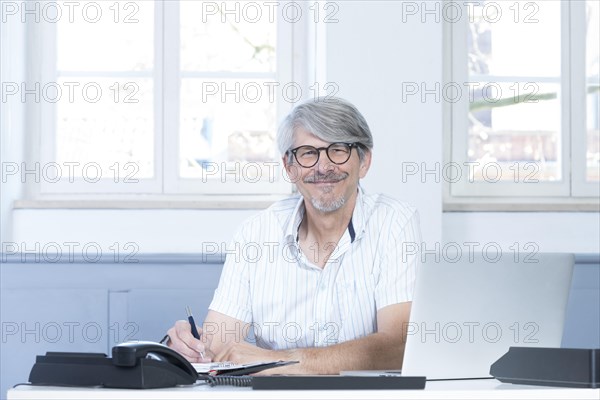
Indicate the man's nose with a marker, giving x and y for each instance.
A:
(324, 164)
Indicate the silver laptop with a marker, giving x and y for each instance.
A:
(465, 315)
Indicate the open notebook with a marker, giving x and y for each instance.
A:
(232, 369)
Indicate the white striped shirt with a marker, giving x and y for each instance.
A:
(290, 302)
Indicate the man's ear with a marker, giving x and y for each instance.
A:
(365, 164)
(284, 159)
(292, 170)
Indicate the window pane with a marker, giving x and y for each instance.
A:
(105, 36)
(518, 137)
(105, 111)
(109, 124)
(229, 93)
(593, 90)
(219, 135)
(227, 36)
(516, 38)
(514, 82)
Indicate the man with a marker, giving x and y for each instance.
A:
(329, 284)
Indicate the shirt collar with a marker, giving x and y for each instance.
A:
(355, 227)
(357, 223)
(296, 220)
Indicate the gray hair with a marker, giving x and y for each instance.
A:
(331, 119)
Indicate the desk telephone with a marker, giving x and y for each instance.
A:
(134, 365)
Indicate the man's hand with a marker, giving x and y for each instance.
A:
(243, 353)
(182, 341)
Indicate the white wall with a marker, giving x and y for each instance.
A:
(550, 232)
(150, 231)
(371, 53)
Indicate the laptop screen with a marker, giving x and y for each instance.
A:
(466, 314)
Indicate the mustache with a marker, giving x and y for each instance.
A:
(329, 177)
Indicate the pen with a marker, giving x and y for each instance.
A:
(193, 324)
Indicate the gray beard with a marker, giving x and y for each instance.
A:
(324, 206)
(330, 206)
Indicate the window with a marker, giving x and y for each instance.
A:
(164, 97)
(523, 95)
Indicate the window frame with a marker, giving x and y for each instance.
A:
(580, 186)
(166, 183)
(175, 184)
(573, 193)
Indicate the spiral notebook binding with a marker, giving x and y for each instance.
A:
(229, 380)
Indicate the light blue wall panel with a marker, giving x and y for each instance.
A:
(37, 321)
(116, 301)
(582, 325)
(155, 311)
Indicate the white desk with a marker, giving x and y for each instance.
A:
(474, 389)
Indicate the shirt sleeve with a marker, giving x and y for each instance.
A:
(399, 264)
(232, 296)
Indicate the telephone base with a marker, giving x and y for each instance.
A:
(96, 369)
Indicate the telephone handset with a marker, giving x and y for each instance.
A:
(129, 354)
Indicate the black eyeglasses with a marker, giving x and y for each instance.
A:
(308, 156)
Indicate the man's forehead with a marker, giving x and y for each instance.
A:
(303, 136)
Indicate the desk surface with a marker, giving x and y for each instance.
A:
(468, 389)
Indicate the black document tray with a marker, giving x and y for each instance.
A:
(577, 368)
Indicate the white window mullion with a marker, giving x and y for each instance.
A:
(447, 108)
(159, 97)
(291, 67)
(170, 95)
(566, 87)
(580, 186)
(42, 127)
(460, 109)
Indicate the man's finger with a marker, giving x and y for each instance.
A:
(183, 341)
(185, 334)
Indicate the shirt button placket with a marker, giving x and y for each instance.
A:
(322, 306)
